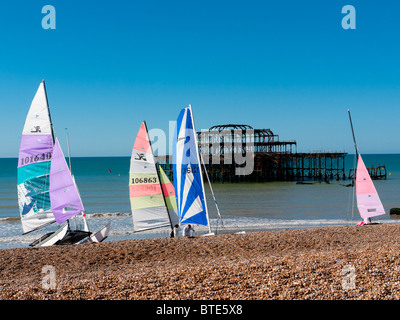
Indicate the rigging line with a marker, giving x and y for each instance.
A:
(212, 191)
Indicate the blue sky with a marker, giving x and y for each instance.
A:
(284, 65)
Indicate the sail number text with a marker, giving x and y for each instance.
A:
(32, 159)
(144, 180)
(190, 170)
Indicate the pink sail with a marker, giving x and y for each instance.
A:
(368, 202)
(64, 197)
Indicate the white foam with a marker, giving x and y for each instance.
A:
(122, 227)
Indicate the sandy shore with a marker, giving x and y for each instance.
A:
(324, 263)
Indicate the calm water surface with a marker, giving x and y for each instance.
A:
(244, 206)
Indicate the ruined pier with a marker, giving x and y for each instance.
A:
(239, 153)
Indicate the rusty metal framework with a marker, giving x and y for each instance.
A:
(246, 138)
(273, 160)
(376, 173)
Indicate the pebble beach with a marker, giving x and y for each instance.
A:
(331, 263)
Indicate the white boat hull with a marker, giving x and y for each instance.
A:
(53, 238)
(208, 234)
(98, 236)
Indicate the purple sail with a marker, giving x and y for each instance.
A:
(64, 197)
(35, 149)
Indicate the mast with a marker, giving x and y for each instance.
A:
(355, 162)
(48, 110)
(158, 176)
(201, 176)
(352, 131)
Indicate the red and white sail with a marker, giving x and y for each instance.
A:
(149, 209)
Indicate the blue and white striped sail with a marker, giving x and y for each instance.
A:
(189, 185)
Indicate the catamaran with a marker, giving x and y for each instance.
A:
(151, 193)
(188, 177)
(47, 191)
(368, 202)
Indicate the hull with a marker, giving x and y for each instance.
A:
(98, 236)
(62, 236)
(73, 237)
(52, 238)
(208, 234)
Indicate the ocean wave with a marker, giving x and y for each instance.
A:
(10, 219)
(16, 241)
(8, 206)
(275, 224)
(122, 227)
(108, 214)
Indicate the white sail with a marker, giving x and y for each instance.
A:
(34, 160)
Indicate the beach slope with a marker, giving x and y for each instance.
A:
(323, 263)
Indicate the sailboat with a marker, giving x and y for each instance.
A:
(152, 195)
(47, 191)
(188, 177)
(368, 202)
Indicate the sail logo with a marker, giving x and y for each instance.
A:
(36, 129)
(140, 156)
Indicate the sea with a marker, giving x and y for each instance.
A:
(244, 207)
